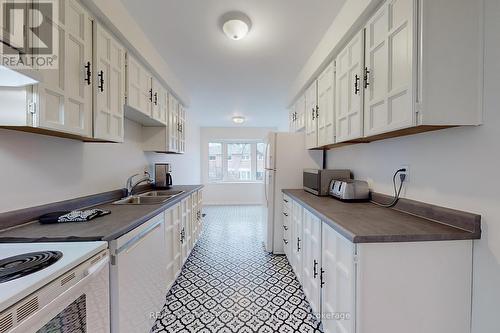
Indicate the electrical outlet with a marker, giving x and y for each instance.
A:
(407, 172)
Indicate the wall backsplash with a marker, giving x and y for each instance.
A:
(37, 169)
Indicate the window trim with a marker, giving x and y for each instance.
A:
(225, 158)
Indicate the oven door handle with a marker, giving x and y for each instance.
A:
(58, 304)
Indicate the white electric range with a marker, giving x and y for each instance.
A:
(54, 287)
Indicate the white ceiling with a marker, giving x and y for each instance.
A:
(250, 77)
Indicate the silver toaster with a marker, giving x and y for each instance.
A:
(349, 189)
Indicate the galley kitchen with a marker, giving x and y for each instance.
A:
(249, 166)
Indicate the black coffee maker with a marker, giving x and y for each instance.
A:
(163, 176)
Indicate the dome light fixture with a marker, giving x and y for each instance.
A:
(235, 25)
(238, 120)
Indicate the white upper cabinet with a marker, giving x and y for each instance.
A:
(311, 116)
(173, 124)
(139, 90)
(349, 91)
(181, 129)
(159, 101)
(300, 114)
(388, 73)
(64, 97)
(326, 107)
(416, 66)
(109, 86)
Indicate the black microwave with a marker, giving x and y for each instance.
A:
(317, 181)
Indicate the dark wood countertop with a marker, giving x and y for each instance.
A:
(365, 222)
(123, 218)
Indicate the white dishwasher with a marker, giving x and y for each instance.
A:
(138, 277)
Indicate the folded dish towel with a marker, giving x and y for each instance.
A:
(73, 216)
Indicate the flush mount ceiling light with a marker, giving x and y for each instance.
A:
(235, 25)
(238, 120)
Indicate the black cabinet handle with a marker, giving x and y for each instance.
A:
(88, 73)
(315, 269)
(317, 112)
(321, 279)
(285, 214)
(313, 113)
(151, 95)
(285, 241)
(156, 98)
(285, 227)
(101, 81)
(285, 200)
(365, 77)
(298, 244)
(356, 84)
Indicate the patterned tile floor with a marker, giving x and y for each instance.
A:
(230, 284)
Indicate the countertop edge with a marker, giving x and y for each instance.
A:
(359, 239)
(105, 236)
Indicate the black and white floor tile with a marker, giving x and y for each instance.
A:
(230, 284)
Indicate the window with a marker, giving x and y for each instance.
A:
(236, 161)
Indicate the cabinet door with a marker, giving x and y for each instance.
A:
(349, 90)
(389, 68)
(194, 217)
(173, 124)
(326, 108)
(65, 96)
(186, 229)
(297, 242)
(182, 129)
(109, 86)
(139, 93)
(159, 103)
(173, 244)
(338, 276)
(291, 118)
(300, 122)
(312, 260)
(287, 216)
(311, 116)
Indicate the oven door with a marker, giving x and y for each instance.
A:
(311, 181)
(82, 308)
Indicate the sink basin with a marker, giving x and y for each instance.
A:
(162, 193)
(143, 200)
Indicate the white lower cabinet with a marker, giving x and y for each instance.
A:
(311, 260)
(338, 279)
(410, 287)
(296, 241)
(173, 243)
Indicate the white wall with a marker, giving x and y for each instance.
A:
(457, 168)
(37, 169)
(235, 193)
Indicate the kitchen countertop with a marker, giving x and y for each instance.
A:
(365, 222)
(123, 218)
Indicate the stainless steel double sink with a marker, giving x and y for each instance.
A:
(149, 198)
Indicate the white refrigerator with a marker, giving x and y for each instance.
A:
(286, 157)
